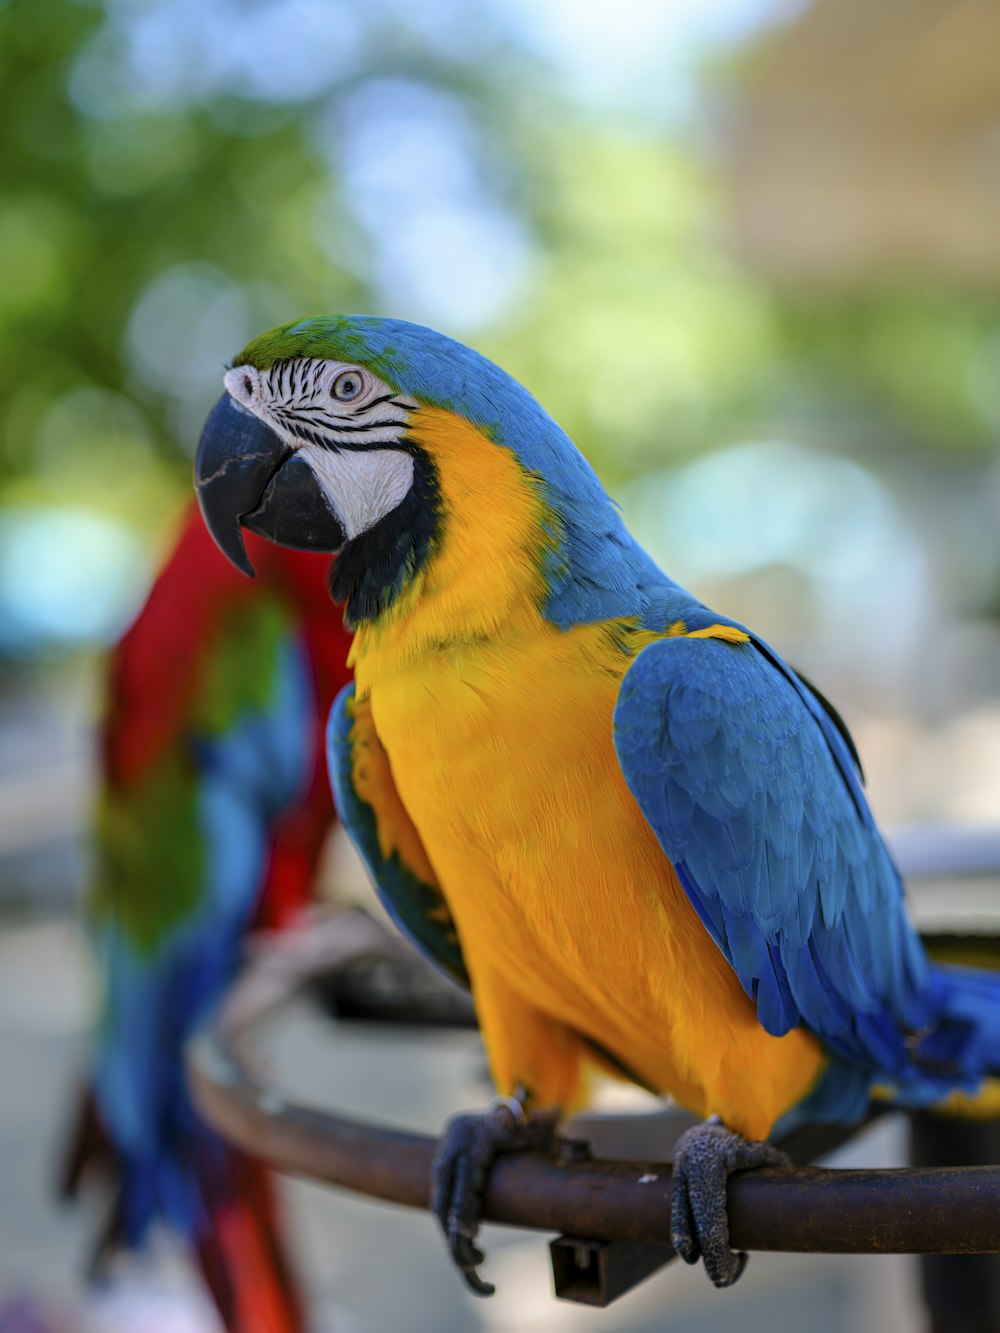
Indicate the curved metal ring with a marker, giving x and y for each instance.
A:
(946, 1210)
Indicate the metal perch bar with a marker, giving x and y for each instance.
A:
(946, 1210)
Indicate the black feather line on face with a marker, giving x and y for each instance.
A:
(293, 417)
(374, 568)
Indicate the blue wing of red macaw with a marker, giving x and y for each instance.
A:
(163, 970)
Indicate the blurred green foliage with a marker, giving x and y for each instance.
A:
(148, 225)
(109, 193)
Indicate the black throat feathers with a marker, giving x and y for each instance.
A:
(374, 568)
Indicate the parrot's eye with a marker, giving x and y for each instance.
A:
(347, 386)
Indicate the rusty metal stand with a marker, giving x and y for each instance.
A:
(612, 1216)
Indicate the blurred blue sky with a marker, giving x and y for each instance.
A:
(48, 599)
(641, 56)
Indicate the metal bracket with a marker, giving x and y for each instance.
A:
(597, 1272)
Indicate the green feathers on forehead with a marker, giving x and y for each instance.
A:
(361, 339)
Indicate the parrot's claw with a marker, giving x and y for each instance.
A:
(460, 1171)
(704, 1159)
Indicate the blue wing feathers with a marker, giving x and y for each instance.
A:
(754, 794)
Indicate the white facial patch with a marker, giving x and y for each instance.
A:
(362, 485)
(342, 419)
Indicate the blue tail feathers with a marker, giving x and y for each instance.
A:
(968, 1034)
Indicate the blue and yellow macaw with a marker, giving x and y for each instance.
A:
(633, 829)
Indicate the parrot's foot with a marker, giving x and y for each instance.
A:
(704, 1159)
(469, 1146)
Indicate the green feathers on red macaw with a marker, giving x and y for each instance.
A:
(213, 810)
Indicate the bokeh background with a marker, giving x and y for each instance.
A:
(746, 251)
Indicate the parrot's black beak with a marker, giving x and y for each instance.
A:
(247, 477)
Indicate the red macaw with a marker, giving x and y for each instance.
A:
(214, 808)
